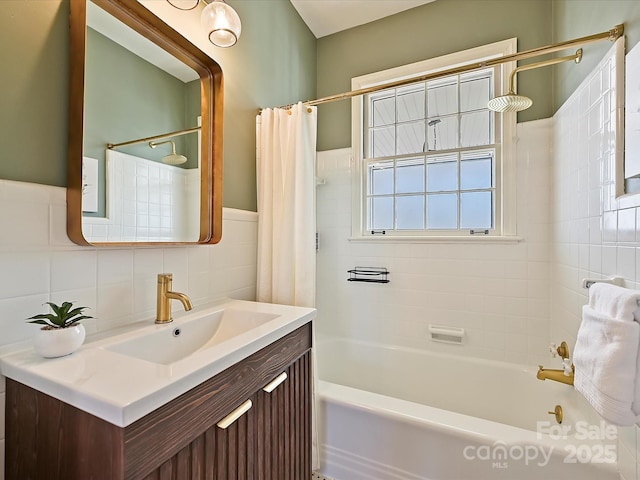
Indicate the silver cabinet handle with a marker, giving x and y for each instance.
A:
(236, 414)
(271, 386)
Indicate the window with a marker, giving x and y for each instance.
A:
(430, 154)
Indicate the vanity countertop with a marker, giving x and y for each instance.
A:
(121, 388)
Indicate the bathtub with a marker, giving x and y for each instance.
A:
(390, 413)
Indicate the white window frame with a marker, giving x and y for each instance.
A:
(505, 132)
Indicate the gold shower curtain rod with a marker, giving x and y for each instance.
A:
(612, 35)
(177, 133)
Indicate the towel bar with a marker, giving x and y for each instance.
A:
(587, 282)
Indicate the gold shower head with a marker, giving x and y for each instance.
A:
(173, 158)
(509, 103)
(512, 102)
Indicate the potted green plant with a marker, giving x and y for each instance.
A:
(62, 333)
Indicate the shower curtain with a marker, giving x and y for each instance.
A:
(286, 150)
(285, 174)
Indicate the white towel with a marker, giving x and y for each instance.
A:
(615, 302)
(606, 353)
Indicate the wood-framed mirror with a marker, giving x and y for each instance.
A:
(121, 189)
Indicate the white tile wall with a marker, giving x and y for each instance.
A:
(592, 234)
(498, 293)
(147, 201)
(513, 300)
(38, 263)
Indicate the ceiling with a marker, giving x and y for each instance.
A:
(107, 25)
(325, 17)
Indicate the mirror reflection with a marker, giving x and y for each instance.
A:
(146, 105)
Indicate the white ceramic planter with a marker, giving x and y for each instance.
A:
(59, 342)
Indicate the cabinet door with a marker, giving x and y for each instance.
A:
(270, 441)
(234, 447)
(222, 452)
(284, 426)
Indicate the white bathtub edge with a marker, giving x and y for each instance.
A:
(417, 414)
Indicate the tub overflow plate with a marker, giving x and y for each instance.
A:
(557, 412)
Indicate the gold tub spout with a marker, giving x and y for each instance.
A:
(556, 375)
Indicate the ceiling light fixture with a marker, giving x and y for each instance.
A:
(222, 23)
(219, 19)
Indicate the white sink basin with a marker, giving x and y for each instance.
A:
(169, 343)
(123, 376)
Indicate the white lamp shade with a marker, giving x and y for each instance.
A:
(222, 23)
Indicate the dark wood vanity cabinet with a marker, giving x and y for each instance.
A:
(49, 439)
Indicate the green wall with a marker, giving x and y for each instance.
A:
(127, 98)
(34, 54)
(434, 29)
(579, 18)
(273, 63)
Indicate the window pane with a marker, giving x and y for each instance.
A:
(442, 211)
(417, 177)
(474, 92)
(383, 142)
(410, 103)
(442, 97)
(410, 214)
(381, 178)
(381, 211)
(442, 173)
(383, 110)
(476, 173)
(442, 133)
(474, 129)
(410, 175)
(411, 138)
(476, 210)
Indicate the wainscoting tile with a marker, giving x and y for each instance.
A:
(25, 274)
(74, 269)
(114, 266)
(15, 311)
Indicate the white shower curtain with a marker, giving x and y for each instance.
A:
(286, 179)
(286, 150)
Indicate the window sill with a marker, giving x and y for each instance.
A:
(495, 239)
(628, 200)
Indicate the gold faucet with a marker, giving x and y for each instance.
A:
(565, 375)
(165, 295)
(557, 375)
